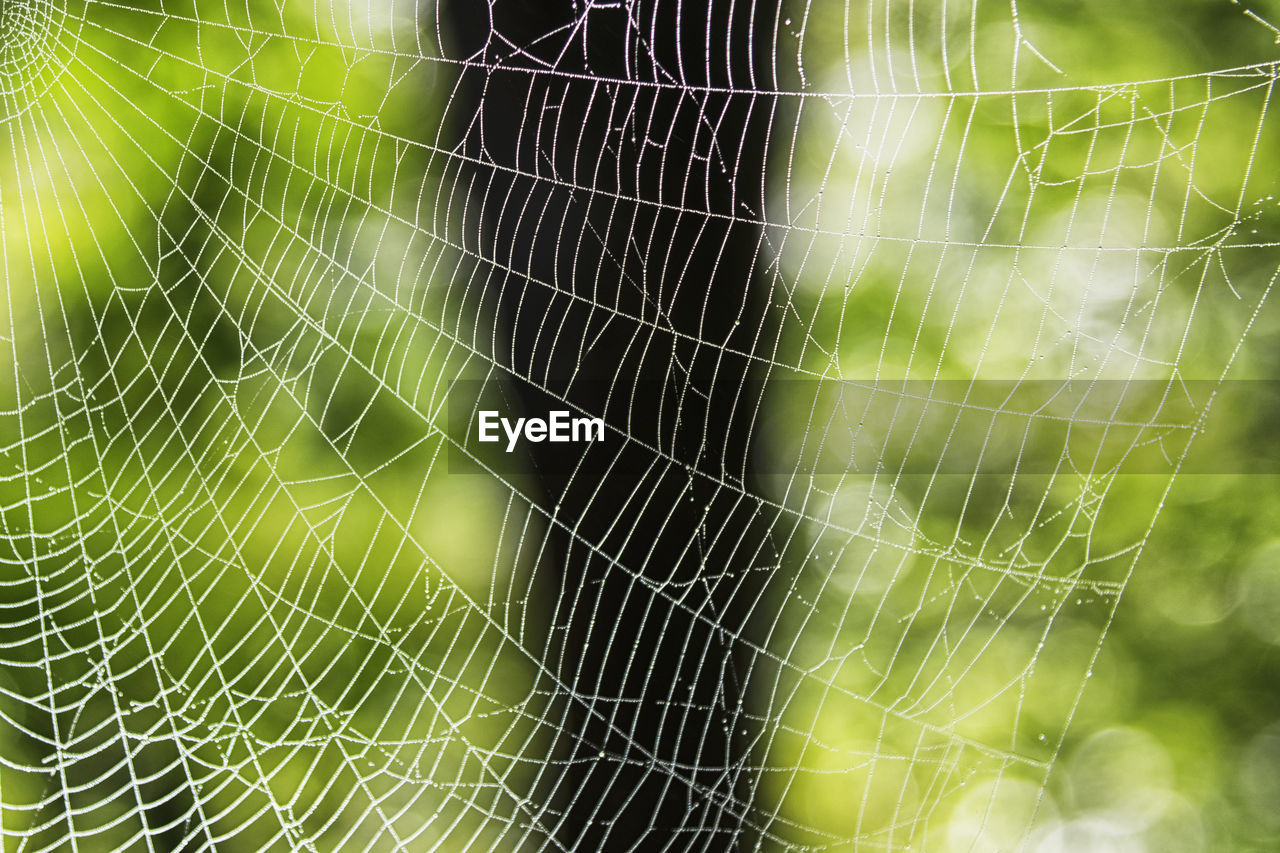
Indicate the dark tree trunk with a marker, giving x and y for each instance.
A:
(615, 169)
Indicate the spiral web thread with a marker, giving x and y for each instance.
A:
(245, 605)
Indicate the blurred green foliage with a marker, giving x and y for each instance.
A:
(980, 628)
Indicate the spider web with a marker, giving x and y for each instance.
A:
(245, 604)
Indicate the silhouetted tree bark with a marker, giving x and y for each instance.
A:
(615, 165)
